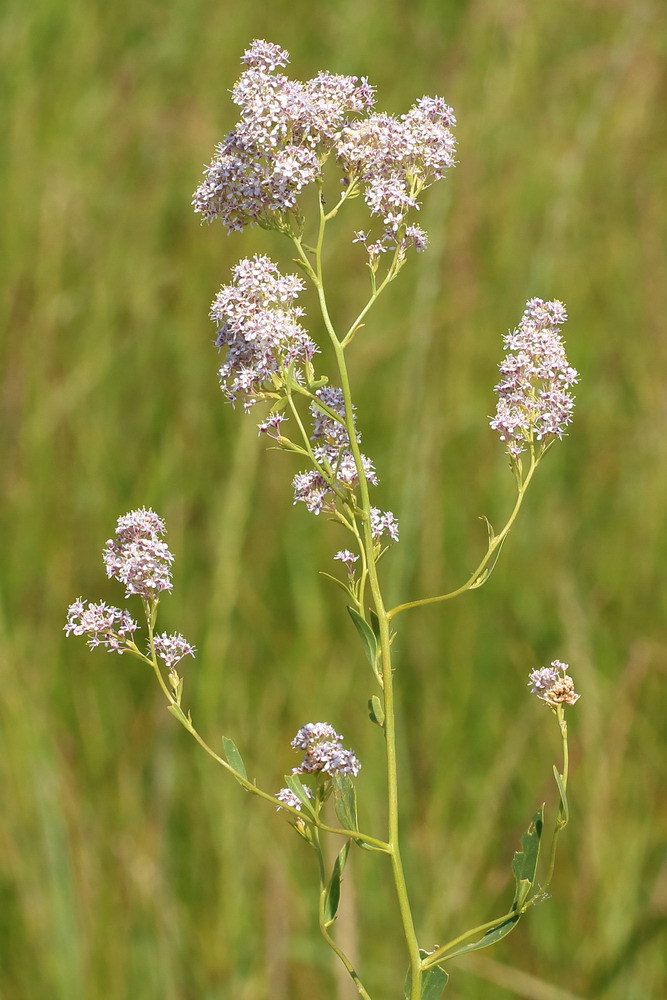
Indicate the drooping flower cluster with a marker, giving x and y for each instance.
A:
(286, 131)
(324, 752)
(172, 648)
(137, 558)
(258, 324)
(553, 684)
(103, 624)
(533, 401)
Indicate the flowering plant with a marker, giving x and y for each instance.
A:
(291, 135)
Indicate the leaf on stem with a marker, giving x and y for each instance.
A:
(234, 758)
(434, 981)
(489, 527)
(565, 809)
(491, 936)
(295, 785)
(332, 898)
(178, 712)
(368, 639)
(376, 711)
(338, 582)
(345, 801)
(524, 865)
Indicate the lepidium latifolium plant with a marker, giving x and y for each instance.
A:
(325, 134)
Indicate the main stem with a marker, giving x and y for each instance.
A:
(385, 649)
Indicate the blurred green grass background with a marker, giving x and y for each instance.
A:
(130, 868)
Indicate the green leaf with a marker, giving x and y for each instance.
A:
(332, 898)
(345, 801)
(376, 711)
(434, 981)
(339, 583)
(178, 713)
(524, 865)
(368, 639)
(565, 809)
(375, 625)
(294, 785)
(234, 757)
(489, 528)
(495, 934)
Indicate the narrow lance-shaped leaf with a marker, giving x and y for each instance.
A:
(491, 936)
(524, 868)
(295, 785)
(368, 639)
(524, 865)
(345, 801)
(434, 981)
(333, 889)
(565, 810)
(234, 757)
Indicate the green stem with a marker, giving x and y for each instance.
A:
(383, 619)
(561, 819)
(494, 546)
(324, 929)
(186, 722)
(377, 291)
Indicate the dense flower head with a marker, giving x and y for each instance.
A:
(553, 684)
(394, 159)
(533, 398)
(285, 132)
(324, 751)
(258, 326)
(136, 557)
(172, 648)
(288, 129)
(336, 464)
(314, 732)
(103, 624)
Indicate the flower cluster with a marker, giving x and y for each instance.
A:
(383, 523)
(286, 131)
(553, 684)
(287, 796)
(258, 324)
(103, 624)
(336, 465)
(324, 752)
(394, 159)
(348, 559)
(533, 401)
(172, 648)
(137, 558)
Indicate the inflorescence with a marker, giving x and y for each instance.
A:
(324, 752)
(259, 325)
(553, 684)
(288, 130)
(533, 401)
(142, 563)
